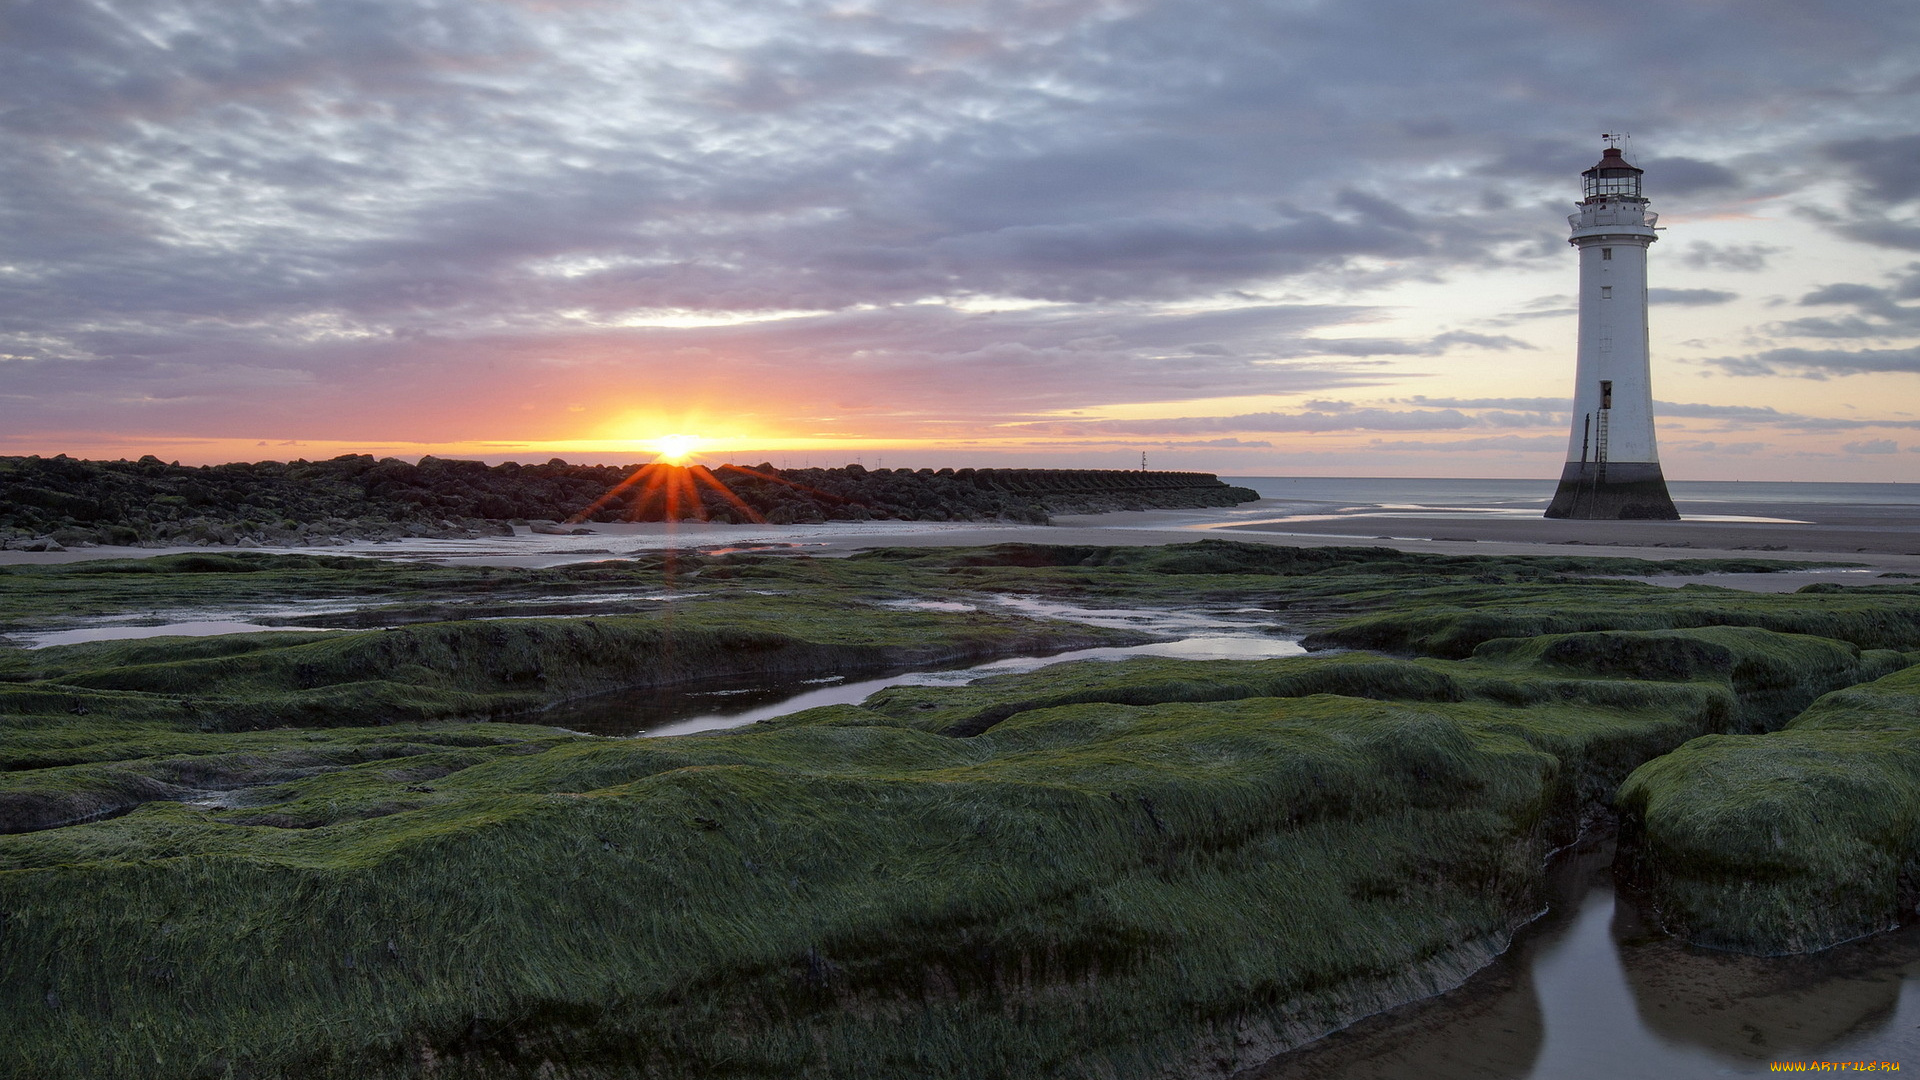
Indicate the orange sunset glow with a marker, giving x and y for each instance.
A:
(677, 449)
(653, 238)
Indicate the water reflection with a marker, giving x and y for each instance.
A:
(1849, 1002)
(1592, 990)
(132, 632)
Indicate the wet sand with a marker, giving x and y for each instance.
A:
(1875, 539)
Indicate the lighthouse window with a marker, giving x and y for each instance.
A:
(1606, 292)
(1606, 254)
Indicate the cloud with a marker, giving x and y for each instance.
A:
(1685, 176)
(1434, 346)
(895, 369)
(1370, 347)
(1877, 311)
(1885, 175)
(1907, 282)
(1886, 170)
(1276, 422)
(1690, 297)
(1879, 230)
(1744, 417)
(328, 215)
(1761, 415)
(1745, 258)
(1820, 362)
(1218, 443)
(1539, 405)
(1334, 416)
(1515, 443)
(1495, 342)
(1871, 446)
(1737, 412)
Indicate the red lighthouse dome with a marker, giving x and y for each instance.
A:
(1613, 177)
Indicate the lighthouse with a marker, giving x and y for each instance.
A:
(1613, 470)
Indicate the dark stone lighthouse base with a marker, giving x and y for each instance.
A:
(1628, 491)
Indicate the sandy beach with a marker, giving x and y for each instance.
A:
(1876, 539)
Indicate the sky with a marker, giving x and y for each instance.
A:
(1254, 238)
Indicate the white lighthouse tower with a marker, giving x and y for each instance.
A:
(1613, 470)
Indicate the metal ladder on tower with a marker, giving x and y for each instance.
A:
(1600, 449)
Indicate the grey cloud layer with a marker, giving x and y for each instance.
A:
(1453, 414)
(210, 203)
(1877, 310)
(1690, 297)
(1329, 417)
(898, 368)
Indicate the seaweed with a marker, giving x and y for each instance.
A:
(1792, 841)
(284, 854)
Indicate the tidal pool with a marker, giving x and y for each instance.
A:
(715, 706)
(332, 615)
(134, 631)
(1593, 990)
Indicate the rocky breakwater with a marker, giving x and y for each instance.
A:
(51, 503)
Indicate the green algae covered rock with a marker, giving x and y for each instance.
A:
(1107, 877)
(1792, 841)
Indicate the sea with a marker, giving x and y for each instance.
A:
(1534, 494)
(1710, 500)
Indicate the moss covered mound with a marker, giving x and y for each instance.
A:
(1792, 841)
(1453, 620)
(1228, 557)
(837, 896)
(1114, 870)
(474, 669)
(1773, 675)
(500, 667)
(1152, 680)
(1127, 868)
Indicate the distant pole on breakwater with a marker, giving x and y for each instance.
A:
(1613, 469)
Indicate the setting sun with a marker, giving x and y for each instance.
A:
(676, 449)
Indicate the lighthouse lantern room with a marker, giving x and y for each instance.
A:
(1613, 469)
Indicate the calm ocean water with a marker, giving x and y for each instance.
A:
(1436, 493)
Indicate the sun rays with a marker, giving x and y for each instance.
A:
(665, 492)
(677, 449)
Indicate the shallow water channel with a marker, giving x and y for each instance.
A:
(1592, 990)
(713, 706)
